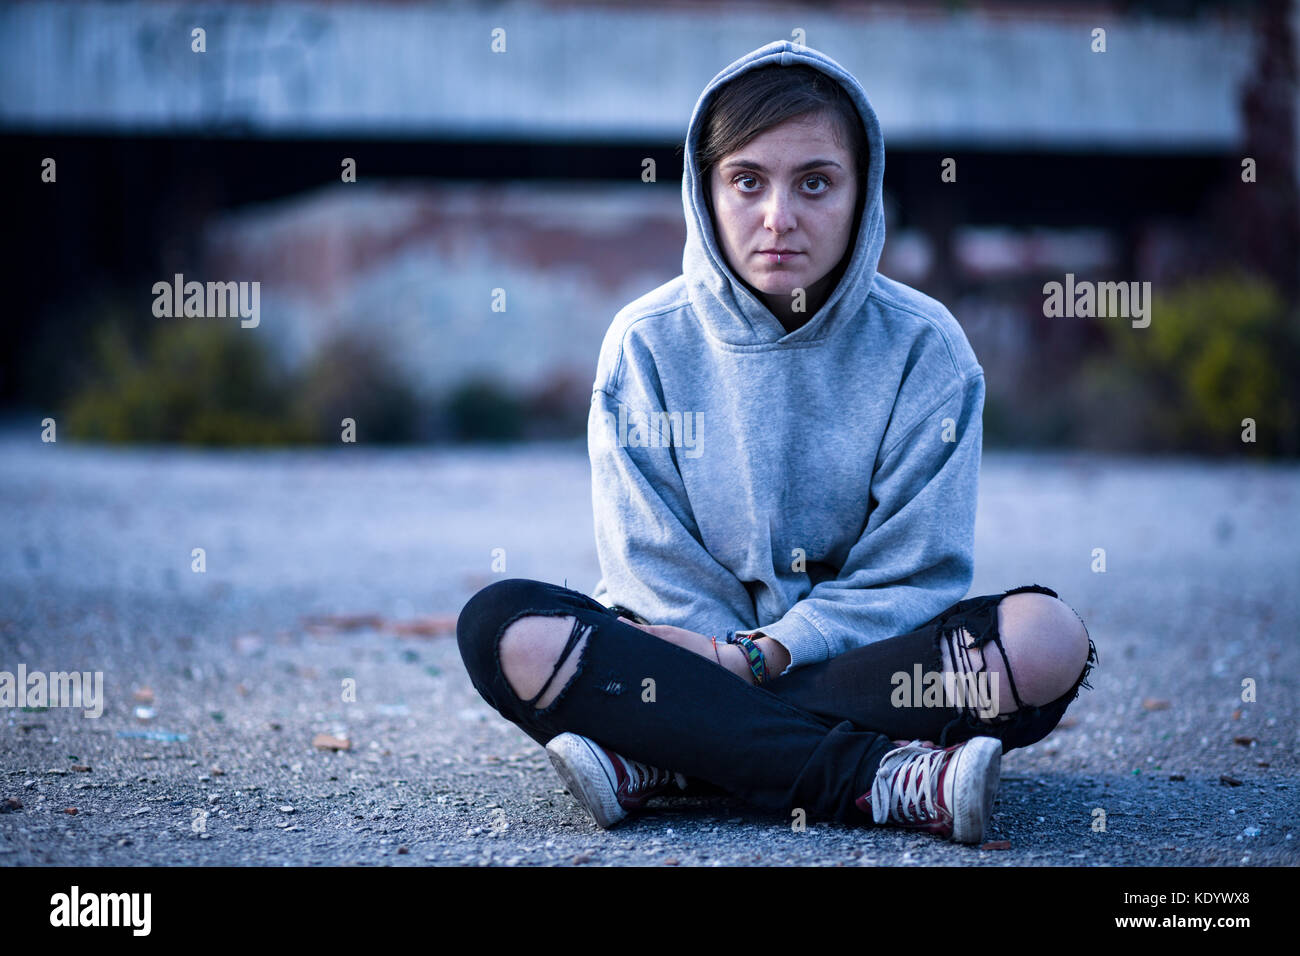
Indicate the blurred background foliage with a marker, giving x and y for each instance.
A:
(199, 382)
(195, 383)
(1220, 349)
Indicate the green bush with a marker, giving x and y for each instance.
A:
(480, 410)
(204, 384)
(1218, 350)
(350, 377)
(197, 383)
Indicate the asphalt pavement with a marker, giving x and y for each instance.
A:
(323, 614)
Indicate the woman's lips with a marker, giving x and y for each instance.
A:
(783, 256)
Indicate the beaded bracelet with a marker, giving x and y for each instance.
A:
(757, 660)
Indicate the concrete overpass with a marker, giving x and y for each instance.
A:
(1024, 77)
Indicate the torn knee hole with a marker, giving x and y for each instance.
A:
(975, 691)
(566, 669)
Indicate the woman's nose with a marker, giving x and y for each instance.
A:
(779, 216)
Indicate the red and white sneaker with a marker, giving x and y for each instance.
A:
(608, 785)
(946, 791)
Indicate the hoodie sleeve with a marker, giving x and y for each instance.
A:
(915, 557)
(647, 540)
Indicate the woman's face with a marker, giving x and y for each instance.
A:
(789, 191)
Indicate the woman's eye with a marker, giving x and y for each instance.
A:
(740, 181)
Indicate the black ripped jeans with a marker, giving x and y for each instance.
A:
(813, 738)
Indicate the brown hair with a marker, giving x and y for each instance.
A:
(767, 96)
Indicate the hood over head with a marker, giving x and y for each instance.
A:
(729, 311)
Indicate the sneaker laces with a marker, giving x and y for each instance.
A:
(916, 800)
(643, 776)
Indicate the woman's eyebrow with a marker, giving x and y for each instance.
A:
(811, 164)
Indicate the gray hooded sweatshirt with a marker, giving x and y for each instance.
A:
(817, 486)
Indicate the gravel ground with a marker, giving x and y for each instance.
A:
(324, 566)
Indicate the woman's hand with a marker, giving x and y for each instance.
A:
(728, 655)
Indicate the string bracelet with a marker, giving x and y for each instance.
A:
(754, 655)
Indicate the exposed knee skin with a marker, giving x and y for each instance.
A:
(1046, 646)
(529, 649)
